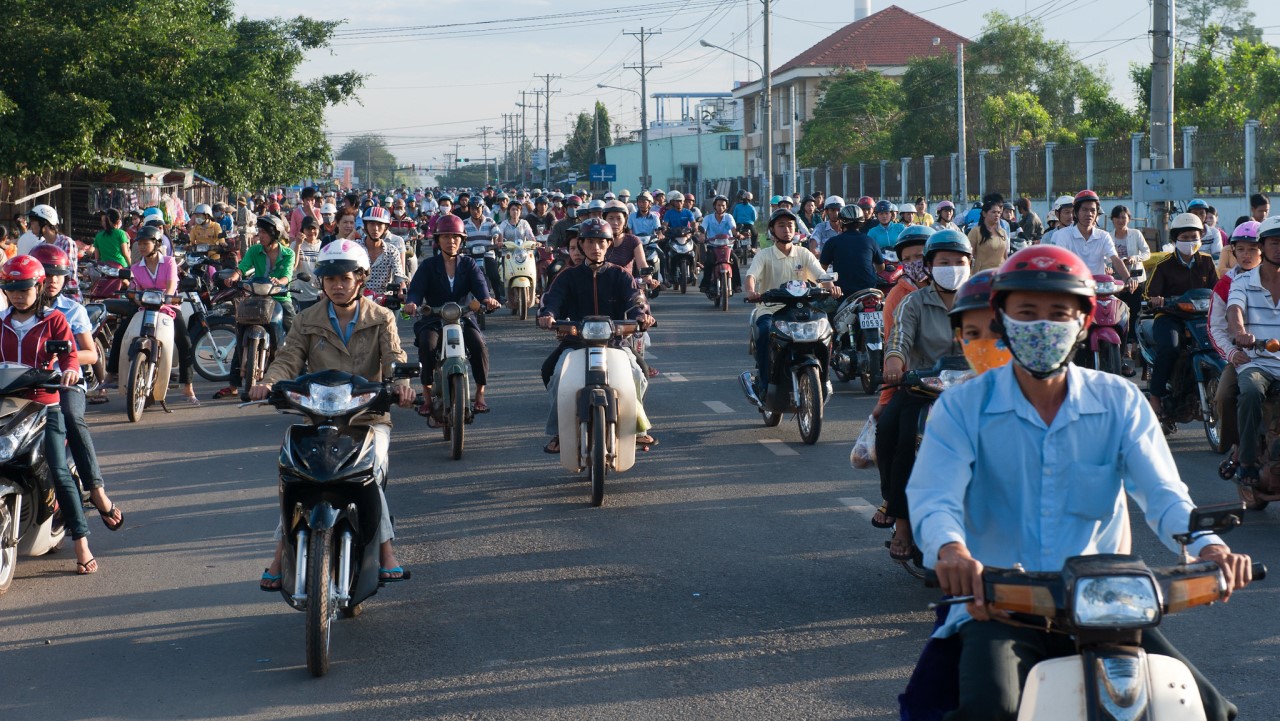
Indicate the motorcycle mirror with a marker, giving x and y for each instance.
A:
(1218, 518)
(393, 287)
(57, 347)
(124, 274)
(406, 370)
(304, 276)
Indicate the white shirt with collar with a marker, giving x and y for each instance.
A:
(1095, 251)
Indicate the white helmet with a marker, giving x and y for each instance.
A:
(1270, 228)
(1062, 202)
(675, 196)
(342, 256)
(1185, 221)
(202, 209)
(328, 209)
(835, 200)
(45, 213)
(596, 204)
(610, 196)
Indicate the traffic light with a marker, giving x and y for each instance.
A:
(464, 160)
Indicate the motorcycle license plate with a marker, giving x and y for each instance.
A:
(873, 319)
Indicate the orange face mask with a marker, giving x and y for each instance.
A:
(984, 354)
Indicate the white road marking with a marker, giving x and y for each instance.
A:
(649, 356)
(778, 448)
(718, 406)
(676, 377)
(859, 506)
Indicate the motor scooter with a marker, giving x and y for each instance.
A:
(653, 256)
(596, 404)
(521, 275)
(892, 272)
(29, 524)
(259, 326)
(1193, 383)
(330, 508)
(1105, 603)
(451, 382)
(859, 344)
(1110, 315)
(800, 342)
(149, 340)
(680, 258)
(720, 252)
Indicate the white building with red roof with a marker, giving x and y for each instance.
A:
(885, 42)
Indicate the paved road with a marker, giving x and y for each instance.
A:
(732, 574)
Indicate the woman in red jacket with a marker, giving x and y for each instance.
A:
(25, 327)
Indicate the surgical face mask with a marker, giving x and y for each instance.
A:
(1187, 247)
(949, 277)
(201, 220)
(1043, 347)
(985, 354)
(915, 270)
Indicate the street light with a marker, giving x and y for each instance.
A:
(766, 89)
(615, 87)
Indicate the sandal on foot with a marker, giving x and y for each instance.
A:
(97, 400)
(270, 583)
(553, 442)
(109, 516)
(900, 553)
(226, 393)
(391, 575)
(653, 372)
(86, 568)
(424, 410)
(882, 519)
(480, 407)
(646, 440)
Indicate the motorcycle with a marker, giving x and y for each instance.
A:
(1257, 496)
(798, 358)
(482, 252)
(596, 401)
(746, 236)
(720, 249)
(329, 505)
(653, 256)
(680, 258)
(149, 338)
(259, 326)
(1104, 335)
(859, 344)
(451, 381)
(1193, 383)
(1105, 602)
(29, 524)
(892, 272)
(212, 329)
(521, 273)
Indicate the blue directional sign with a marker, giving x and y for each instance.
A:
(604, 173)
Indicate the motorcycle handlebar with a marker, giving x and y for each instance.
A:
(1258, 568)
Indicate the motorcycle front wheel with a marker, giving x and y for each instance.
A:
(871, 374)
(319, 602)
(523, 301)
(140, 370)
(1107, 358)
(724, 290)
(8, 554)
(810, 416)
(458, 414)
(213, 350)
(249, 363)
(684, 277)
(599, 428)
(1212, 424)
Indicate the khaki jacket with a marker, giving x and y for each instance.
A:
(313, 345)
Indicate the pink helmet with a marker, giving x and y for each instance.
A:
(1246, 232)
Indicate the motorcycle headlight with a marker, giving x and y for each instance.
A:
(520, 256)
(1116, 602)
(811, 330)
(330, 400)
(597, 330)
(262, 288)
(12, 441)
(153, 297)
(954, 378)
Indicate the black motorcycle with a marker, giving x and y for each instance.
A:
(859, 341)
(329, 505)
(799, 354)
(1193, 382)
(681, 259)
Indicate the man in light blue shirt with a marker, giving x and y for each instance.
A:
(1030, 464)
(885, 232)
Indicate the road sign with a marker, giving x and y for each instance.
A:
(604, 173)
(540, 159)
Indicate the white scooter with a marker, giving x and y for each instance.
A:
(149, 340)
(520, 271)
(1104, 602)
(596, 401)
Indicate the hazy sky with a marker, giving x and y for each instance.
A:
(433, 82)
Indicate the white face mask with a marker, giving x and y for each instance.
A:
(1187, 247)
(949, 277)
(201, 220)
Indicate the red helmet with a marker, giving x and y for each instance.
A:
(55, 261)
(866, 202)
(1085, 196)
(573, 200)
(20, 273)
(1045, 269)
(449, 225)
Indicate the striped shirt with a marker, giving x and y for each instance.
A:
(1261, 318)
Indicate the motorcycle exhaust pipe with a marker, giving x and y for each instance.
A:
(748, 389)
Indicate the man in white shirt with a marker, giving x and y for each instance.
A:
(1093, 244)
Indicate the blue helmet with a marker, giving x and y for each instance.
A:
(884, 206)
(912, 235)
(1197, 203)
(952, 240)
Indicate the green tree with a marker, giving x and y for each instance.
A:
(475, 175)
(590, 133)
(1014, 118)
(174, 82)
(375, 165)
(853, 121)
(1234, 17)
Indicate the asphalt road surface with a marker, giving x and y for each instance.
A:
(731, 574)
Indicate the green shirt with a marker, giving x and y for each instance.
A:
(109, 244)
(256, 264)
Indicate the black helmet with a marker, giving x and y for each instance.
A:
(595, 228)
(783, 213)
(912, 235)
(948, 239)
(274, 224)
(850, 214)
(975, 294)
(149, 232)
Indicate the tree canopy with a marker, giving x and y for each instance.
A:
(375, 165)
(590, 133)
(180, 83)
(1234, 17)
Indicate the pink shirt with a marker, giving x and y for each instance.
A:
(164, 279)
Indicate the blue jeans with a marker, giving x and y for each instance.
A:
(1166, 331)
(64, 486)
(77, 430)
(764, 328)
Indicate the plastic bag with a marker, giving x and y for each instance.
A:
(863, 454)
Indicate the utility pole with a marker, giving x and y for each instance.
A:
(962, 163)
(766, 87)
(537, 129)
(521, 144)
(643, 68)
(1162, 34)
(546, 178)
(484, 146)
(795, 117)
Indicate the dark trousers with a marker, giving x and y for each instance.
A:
(896, 432)
(78, 438)
(236, 371)
(495, 279)
(1225, 406)
(1253, 385)
(64, 486)
(764, 328)
(709, 264)
(1166, 331)
(181, 339)
(428, 341)
(996, 658)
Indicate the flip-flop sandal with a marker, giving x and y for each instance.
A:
(388, 575)
(270, 583)
(86, 568)
(432, 422)
(646, 441)
(653, 372)
(424, 410)
(897, 554)
(108, 515)
(480, 408)
(882, 519)
(554, 441)
(97, 400)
